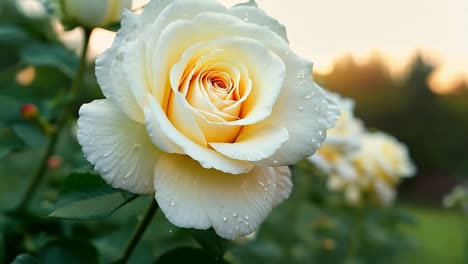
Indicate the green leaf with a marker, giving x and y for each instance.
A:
(10, 109)
(188, 255)
(210, 241)
(29, 134)
(25, 259)
(52, 56)
(12, 35)
(85, 196)
(8, 142)
(69, 251)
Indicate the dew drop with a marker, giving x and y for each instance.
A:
(237, 228)
(234, 214)
(224, 219)
(170, 230)
(230, 231)
(172, 203)
(240, 220)
(247, 223)
(119, 56)
(308, 96)
(300, 108)
(246, 218)
(275, 161)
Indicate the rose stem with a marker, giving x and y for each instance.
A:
(139, 231)
(53, 136)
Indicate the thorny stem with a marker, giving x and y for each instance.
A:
(53, 138)
(139, 231)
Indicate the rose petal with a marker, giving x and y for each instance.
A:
(111, 76)
(118, 147)
(157, 44)
(207, 158)
(252, 14)
(266, 70)
(234, 205)
(183, 120)
(254, 143)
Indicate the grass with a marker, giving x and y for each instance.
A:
(441, 237)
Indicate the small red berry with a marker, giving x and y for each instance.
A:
(29, 111)
(54, 162)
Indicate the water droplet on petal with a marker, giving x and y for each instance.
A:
(172, 203)
(224, 219)
(234, 214)
(300, 108)
(246, 218)
(119, 56)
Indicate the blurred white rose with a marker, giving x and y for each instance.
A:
(383, 161)
(359, 162)
(335, 155)
(206, 106)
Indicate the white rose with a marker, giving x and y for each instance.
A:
(206, 106)
(345, 134)
(335, 156)
(384, 161)
(89, 13)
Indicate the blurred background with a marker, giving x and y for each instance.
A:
(405, 63)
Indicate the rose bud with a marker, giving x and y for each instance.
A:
(88, 13)
(54, 162)
(29, 111)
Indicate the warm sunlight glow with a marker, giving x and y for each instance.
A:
(446, 81)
